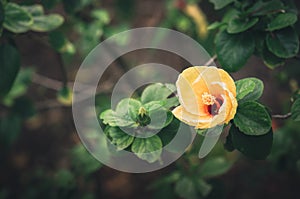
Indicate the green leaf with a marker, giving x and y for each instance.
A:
(265, 7)
(203, 187)
(1, 15)
(73, 6)
(219, 4)
(282, 20)
(214, 167)
(9, 67)
(169, 132)
(171, 87)
(233, 50)
(228, 145)
(45, 23)
(65, 96)
(296, 110)
(238, 25)
(159, 115)
(61, 43)
(10, 127)
(166, 179)
(148, 149)
(125, 9)
(101, 15)
(215, 25)
(231, 14)
(126, 114)
(65, 179)
(119, 138)
(201, 131)
(271, 60)
(156, 92)
(170, 102)
(34, 10)
(286, 144)
(249, 89)
(252, 119)
(112, 30)
(82, 161)
(17, 19)
(185, 188)
(183, 23)
(283, 43)
(111, 118)
(41, 22)
(129, 107)
(19, 86)
(256, 147)
(49, 4)
(260, 38)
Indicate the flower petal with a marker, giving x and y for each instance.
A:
(232, 104)
(231, 110)
(228, 81)
(189, 96)
(209, 74)
(192, 119)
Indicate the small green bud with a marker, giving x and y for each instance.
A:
(143, 117)
(142, 111)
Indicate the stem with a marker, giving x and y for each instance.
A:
(63, 70)
(49, 104)
(285, 116)
(211, 60)
(47, 82)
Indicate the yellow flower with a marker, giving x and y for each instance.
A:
(207, 96)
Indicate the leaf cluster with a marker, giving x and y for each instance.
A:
(251, 131)
(140, 125)
(265, 28)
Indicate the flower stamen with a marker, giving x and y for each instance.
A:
(208, 99)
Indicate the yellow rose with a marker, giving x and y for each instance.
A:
(207, 96)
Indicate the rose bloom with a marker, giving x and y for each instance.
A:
(207, 96)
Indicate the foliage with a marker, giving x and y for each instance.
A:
(20, 19)
(195, 182)
(144, 123)
(265, 28)
(142, 116)
(285, 152)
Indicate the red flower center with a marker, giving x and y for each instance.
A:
(214, 108)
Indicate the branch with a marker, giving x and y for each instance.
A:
(285, 116)
(211, 60)
(56, 86)
(62, 69)
(47, 82)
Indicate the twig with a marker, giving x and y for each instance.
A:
(56, 85)
(211, 60)
(49, 104)
(62, 69)
(47, 82)
(285, 116)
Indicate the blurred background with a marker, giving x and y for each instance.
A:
(41, 155)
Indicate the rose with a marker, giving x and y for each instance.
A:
(207, 96)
